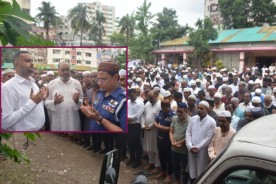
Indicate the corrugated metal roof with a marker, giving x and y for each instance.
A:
(255, 34)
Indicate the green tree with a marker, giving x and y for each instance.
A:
(48, 15)
(14, 28)
(79, 19)
(246, 13)
(199, 39)
(144, 17)
(167, 27)
(118, 39)
(127, 25)
(98, 31)
(121, 60)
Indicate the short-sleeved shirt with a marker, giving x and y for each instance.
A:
(164, 119)
(179, 134)
(112, 108)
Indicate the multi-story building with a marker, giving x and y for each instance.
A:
(211, 10)
(72, 38)
(74, 56)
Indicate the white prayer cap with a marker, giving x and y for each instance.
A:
(43, 75)
(219, 76)
(198, 80)
(7, 71)
(156, 88)
(247, 69)
(50, 73)
(193, 97)
(248, 108)
(235, 99)
(211, 87)
(138, 80)
(133, 78)
(188, 68)
(129, 81)
(224, 79)
(86, 73)
(258, 90)
(157, 76)
(146, 83)
(203, 102)
(225, 114)
(234, 73)
(218, 95)
(251, 82)
(122, 72)
(166, 93)
(193, 82)
(274, 90)
(146, 70)
(256, 99)
(224, 86)
(187, 90)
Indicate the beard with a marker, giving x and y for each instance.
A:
(64, 79)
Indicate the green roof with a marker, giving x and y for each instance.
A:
(255, 34)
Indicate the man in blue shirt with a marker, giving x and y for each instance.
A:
(108, 112)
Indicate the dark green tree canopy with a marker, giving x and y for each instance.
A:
(97, 30)
(48, 15)
(167, 27)
(247, 13)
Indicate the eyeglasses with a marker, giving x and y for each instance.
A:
(100, 80)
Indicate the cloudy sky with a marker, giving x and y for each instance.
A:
(188, 11)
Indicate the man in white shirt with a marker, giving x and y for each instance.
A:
(135, 110)
(64, 101)
(22, 100)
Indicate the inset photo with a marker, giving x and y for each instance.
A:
(67, 89)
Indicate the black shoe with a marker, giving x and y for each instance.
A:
(129, 162)
(96, 150)
(91, 148)
(136, 164)
(123, 158)
(85, 145)
(103, 151)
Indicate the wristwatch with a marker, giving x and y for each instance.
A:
(100, 121)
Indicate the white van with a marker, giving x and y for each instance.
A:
(250, 157)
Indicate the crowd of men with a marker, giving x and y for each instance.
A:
(180, 119)
(62, 103)
(187, 116)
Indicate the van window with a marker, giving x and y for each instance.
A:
(248, 176)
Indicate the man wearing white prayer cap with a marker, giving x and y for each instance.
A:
(7, 75)
(187, 92)
(122, 82)
(199, 134)
(219, 105)
(192, 108)
(222, 135)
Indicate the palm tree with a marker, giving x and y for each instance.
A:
(127, 24)
(79, 19)
(48, 15)
(98, 31)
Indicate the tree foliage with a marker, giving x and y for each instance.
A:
(167, 27)
(14, 28)
(79, 20)
(247, 13)
(8, 152)
(97, 30)
(199, 39)
(127, 26)
(48, 15)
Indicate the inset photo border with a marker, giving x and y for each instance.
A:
(64, 89)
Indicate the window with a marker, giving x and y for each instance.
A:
(73, 57)
(56, 60)
(56, 51)
(78, 53)
(67, 52)
(78, 61)
(88, 54)
(88, 62)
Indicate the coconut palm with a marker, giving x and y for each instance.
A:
(127, 24)
(79, 19)
(98, 31)
(48, 15)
